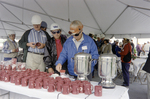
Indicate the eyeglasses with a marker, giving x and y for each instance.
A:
(77, 34)
(54, 32)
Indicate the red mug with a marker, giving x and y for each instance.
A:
(38, 44)
(31, 84)
(59, 87)
(98, 90)
(51, 87)
(18, 80)
(38, 84)
(13, 78)
(66, 89)
(3, 76)
(14, 66)
(24, 81)
(75, 89)
(8, 67)
(88, 89)
(45, 83)
(7, 78)
(81, 86)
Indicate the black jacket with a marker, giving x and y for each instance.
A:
(146, 67)
(50, 55)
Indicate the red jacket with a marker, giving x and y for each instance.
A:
(125, 51)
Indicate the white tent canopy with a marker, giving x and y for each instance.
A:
(111, 17)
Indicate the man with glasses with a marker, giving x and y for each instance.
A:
(33, 44)
(53, 48)
(78, 42)
(10, 47)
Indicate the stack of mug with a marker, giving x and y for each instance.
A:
(35, 79)
(66, 86)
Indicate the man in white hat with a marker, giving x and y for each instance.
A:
(33, 44)
(125, 59)
(53, 49)
(10, 47)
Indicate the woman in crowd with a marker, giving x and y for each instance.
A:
(106, 47)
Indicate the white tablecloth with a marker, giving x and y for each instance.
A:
(118, 92)
(137, 63)
(1, 56)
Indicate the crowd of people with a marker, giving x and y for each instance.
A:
(52, 54)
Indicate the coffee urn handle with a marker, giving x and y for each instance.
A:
(94, 60)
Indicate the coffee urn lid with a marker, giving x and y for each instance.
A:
(82, 54)
(106, 55)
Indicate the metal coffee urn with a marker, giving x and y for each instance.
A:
(107, 70)
(82, 65)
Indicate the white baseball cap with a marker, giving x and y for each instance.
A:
(127, 37)
(54, 26)
(10, 32)
(117, 40)
(102, 35)
(36, 19)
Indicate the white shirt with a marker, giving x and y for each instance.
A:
(77, 43)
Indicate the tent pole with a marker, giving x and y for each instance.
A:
(13, 14)
(42, 13)
(93, 16)
(47, 13)
(116, 19)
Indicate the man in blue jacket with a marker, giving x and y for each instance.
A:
(78, 42)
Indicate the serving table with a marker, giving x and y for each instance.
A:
(19, 92)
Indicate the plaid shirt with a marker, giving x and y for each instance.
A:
(6, 46)
(37, 36)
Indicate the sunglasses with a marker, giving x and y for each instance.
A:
(54, 32)
(77, 34)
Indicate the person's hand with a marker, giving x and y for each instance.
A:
(50, 70)
(31, 44)
(58, 67)
(119, 52)
(41, 46)
(14, 50)
(17, 50)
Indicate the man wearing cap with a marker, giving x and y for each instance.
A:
(10, 47)
(53, 48)
(33, 44)
(78, 42)
(43, 26)
(114, 46)
(126, 49)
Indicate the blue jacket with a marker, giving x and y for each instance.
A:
(69, 50)
(118, 49)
